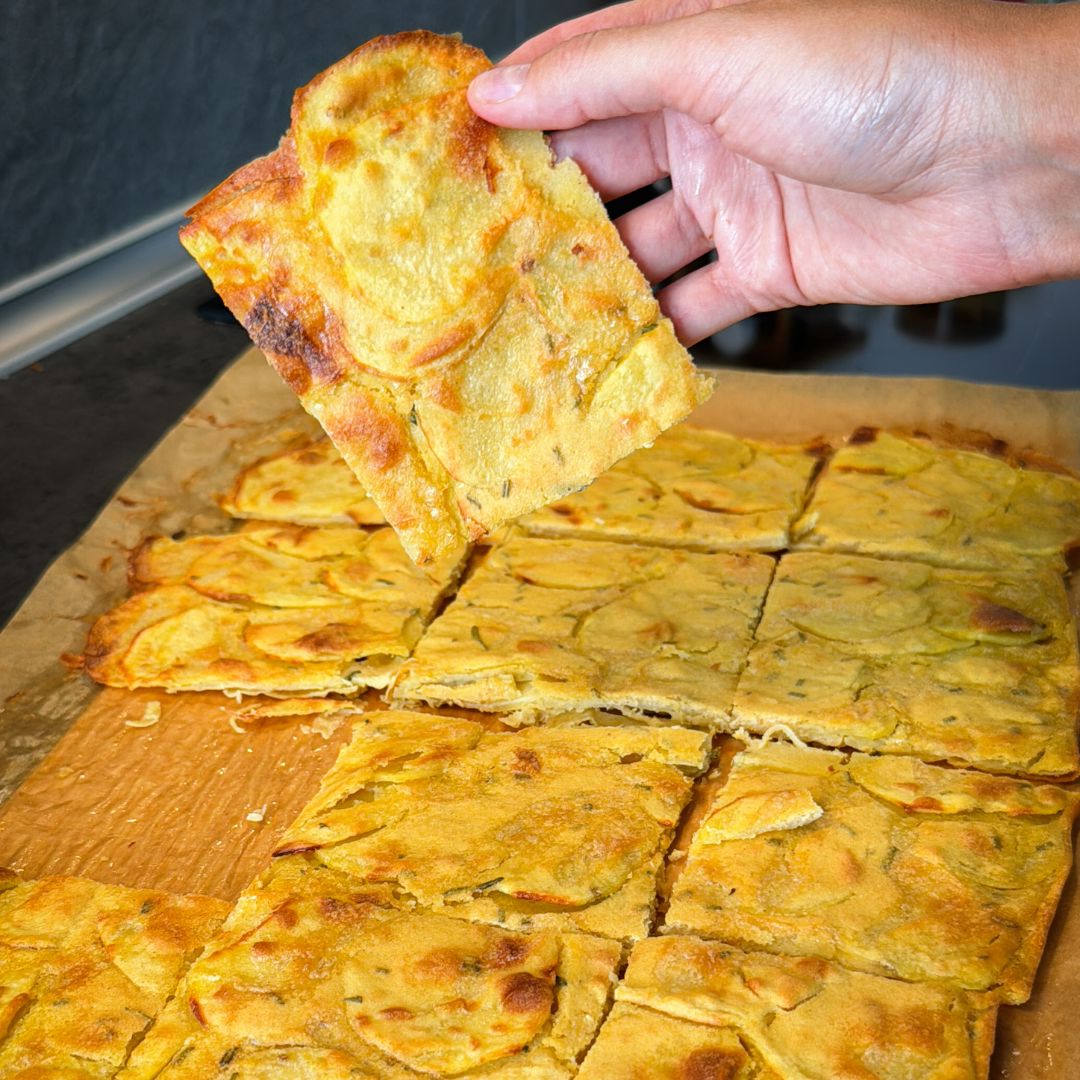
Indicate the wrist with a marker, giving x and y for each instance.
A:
(1040, 87)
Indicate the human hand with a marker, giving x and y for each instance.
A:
(861, 151)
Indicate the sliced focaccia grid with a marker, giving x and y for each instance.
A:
(693, 488)
(884, 864)
(563, 827)
(567, 625)
(973, 667)
(904, 497)
(309, 977)
(452, 305)
(687, 1008)
(273, 609)
(85, 968)
(305, 485)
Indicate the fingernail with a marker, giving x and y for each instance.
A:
(499, 84)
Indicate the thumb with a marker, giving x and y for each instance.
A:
(606, 73)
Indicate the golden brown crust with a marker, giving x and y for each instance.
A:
(309, 484)
(762, 1017)
(884, 864)
(308, 964)
(958, 499)
(566, 625)
(562, 827)
(973, 667)
(465, 381)
(85, 968)
(272, 609)
(693, 488)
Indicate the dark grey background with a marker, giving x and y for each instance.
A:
(115, 110)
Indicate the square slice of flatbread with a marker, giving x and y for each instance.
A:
(568, 625)
(906, 497)
(973, 667)
(687, 1009)
(693, 488)
(452, 305)
(273, 609)
(884, 864)
(85, 968)
(309, 978)
(561, 827)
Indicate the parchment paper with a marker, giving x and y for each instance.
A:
(168, 806)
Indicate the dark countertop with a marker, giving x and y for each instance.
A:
(74, 425)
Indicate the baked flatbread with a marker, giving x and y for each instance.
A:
(85, 968)
(307, 485)
(454, 308)
(566, 625)
(690, 1010)
(912, 498)
(270, 610)
(311, 979)
(973, 667)
(556, 827)
(884, 864)
(693, 488)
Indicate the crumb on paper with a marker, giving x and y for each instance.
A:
(151, 715)
(322, 725)
(257, 816)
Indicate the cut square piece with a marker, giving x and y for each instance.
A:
(885, 864)
(85, 968)
(974, 667)
(687, 1009)
(563, 827)
(566, 625)
(910, 498)
(270, 610)
(307, 485)
(693, 488)
(452, 305)
(311, 979)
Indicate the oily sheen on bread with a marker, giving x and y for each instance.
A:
(453, 307)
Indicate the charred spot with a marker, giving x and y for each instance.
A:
(378, 435)
(525, 762)
(491, 171)
(998, 619)
(294, 849)
(300, 360)
(941, 512)
(283, 495)
(529, 646)
(581, 251)
(287, 917)
(924, 802)
(862, 435)
(396, 1012)
(310, 457)
(331, 639)
(525, 993)
(263, 948)
(568, 512)
(334, 909)
(527, 264)
(469, 149)
(712, 1064)
(506, 952)
(339, 153)
(451, 340)
(196, 1011)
